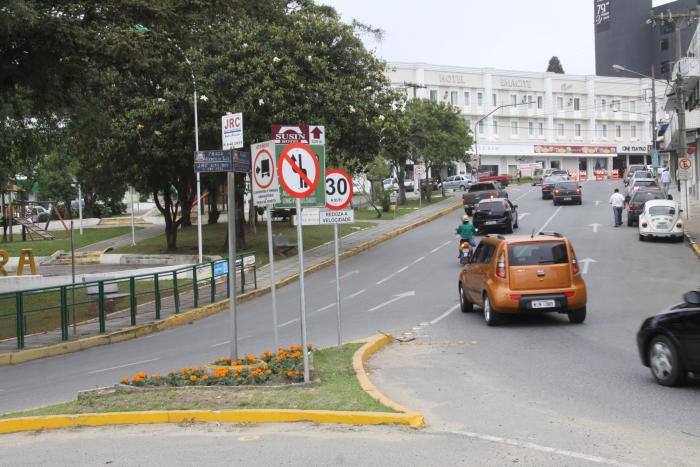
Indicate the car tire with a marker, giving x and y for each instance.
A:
(463, 188)
(509, 228)
(465, 305)
(641, 238)
(630, 223)
(664, 363)
(491, 317)
(577, 316)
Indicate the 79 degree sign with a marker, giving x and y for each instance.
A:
(338, 189)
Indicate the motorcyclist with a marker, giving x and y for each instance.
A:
(466, 231)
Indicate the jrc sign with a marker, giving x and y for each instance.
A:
(232, 131)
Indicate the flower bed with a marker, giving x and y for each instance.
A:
(287, 365)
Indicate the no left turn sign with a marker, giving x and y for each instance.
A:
(298, 170)
(338, 189)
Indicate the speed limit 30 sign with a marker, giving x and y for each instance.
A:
(338, 189)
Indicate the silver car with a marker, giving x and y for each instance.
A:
(457, 182)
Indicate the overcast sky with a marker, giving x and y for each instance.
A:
(507, 34)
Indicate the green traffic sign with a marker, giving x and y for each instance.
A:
(313, 136)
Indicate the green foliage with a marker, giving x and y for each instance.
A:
(554, 65)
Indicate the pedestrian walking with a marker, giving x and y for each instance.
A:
(618, 203)
(666, 181)
(520, 174)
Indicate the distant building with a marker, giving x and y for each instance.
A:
(623, 36)
(572, 122)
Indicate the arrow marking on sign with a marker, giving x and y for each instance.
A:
(296, 169)
(595, 227)
(396, 298)
(586, 262)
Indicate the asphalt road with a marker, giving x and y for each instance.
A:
(571, 390)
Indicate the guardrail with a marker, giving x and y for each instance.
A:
(90, 305)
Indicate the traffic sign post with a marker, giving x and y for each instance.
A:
(299, 173)
(685, 173)
(266, 193)
(338, 196)
(314, 137)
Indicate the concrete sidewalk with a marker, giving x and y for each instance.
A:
(285, 271)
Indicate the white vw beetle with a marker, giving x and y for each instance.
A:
(661, 218)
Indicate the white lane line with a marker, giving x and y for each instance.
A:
(228, 342)
(524, 194)
(402, 270)
(444, 315)
(392, 275)
(345, 276)
(523, 214)
(102, 370)
(412, 293)
(541, 448)
(288, 322)
(440, 246)
(419, 260)
(550, 219)
(324, 308)
(355, 294)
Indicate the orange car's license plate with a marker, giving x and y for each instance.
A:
(543, 304)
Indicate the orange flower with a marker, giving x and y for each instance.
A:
(137, 379)
(155, 375)
(290, 373)
(239, 379)
(205, 377)
(125, 380)
(142, 374)
(269, 371)
(309, 345)
(193, 378)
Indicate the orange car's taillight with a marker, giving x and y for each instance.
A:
(574, 264)
(501, 266)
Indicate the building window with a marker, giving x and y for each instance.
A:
(481, 127)
(664, 43)
(433, 95)
(530, 129)
(577, 129)
(539, 102)
(603, 105)
(560, 103)
(466, 98)
(495, 126)
(494, 99)
(514, 128)
(665, 67)
(616, 105)
(605, 130)
(513, 99)
(540, 128)
(480, 99)
(633, 131)
(560, 129)
(618, 131)
(577, 104)
(633, 106)
(530, 102)
(454, 97)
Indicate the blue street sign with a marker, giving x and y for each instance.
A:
(222, 161)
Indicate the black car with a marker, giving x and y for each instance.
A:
(566, 192)
(669, 343)
(635, 203)
(495, 214)
(548, 185)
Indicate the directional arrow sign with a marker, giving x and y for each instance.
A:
(586, 262)
(396, 297)
(595, 227)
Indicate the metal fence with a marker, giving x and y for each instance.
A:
(105, 305)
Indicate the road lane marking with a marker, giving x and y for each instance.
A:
(550, 219)
(521, 215)
(595, 227)
(288, 322)
(440, 246)
(597, 202)
(228, 342)
(392, 275)
(345, 276)
(419, 260)
(541, 448)
(521, 196)
(102, 370)
(586, 262)
(396, 297)
(355, 294)
(444, 315)
(324, 308)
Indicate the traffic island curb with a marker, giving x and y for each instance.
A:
(403, 416)
(23, 356)
(693, 244)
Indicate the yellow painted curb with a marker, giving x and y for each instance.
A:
(22, 356)
(373, 344)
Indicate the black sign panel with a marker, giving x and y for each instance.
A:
(222, 161)
(601, 15)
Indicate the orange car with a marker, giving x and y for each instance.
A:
(523, 274)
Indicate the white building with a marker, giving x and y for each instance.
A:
(577, 123)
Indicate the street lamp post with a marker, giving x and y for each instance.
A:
(476, 126)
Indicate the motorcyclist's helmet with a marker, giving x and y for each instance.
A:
(465, 218)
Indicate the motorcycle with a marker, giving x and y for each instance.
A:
(465, 252)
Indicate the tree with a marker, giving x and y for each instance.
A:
(554, 65)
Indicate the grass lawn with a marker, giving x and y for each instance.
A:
(411, 206)
(339, 390)
(214, 236)
(62, 241)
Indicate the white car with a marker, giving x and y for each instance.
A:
(637, 183)
(458, 182)
(661, 218)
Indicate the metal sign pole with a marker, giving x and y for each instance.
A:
(273, 287)
(72, 273)
(133, 230)
(337, 280)
(199, 184)
(300, 248)
(232, 265)
(80, 207)
(687, 200)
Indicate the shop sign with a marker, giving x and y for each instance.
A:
(632, 149)
(592, 150)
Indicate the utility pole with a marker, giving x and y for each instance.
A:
(414, 86)
(653, 108)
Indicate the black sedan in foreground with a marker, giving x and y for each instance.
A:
(669, 343)
(566, 192)
(495, 214)
(548, 185)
